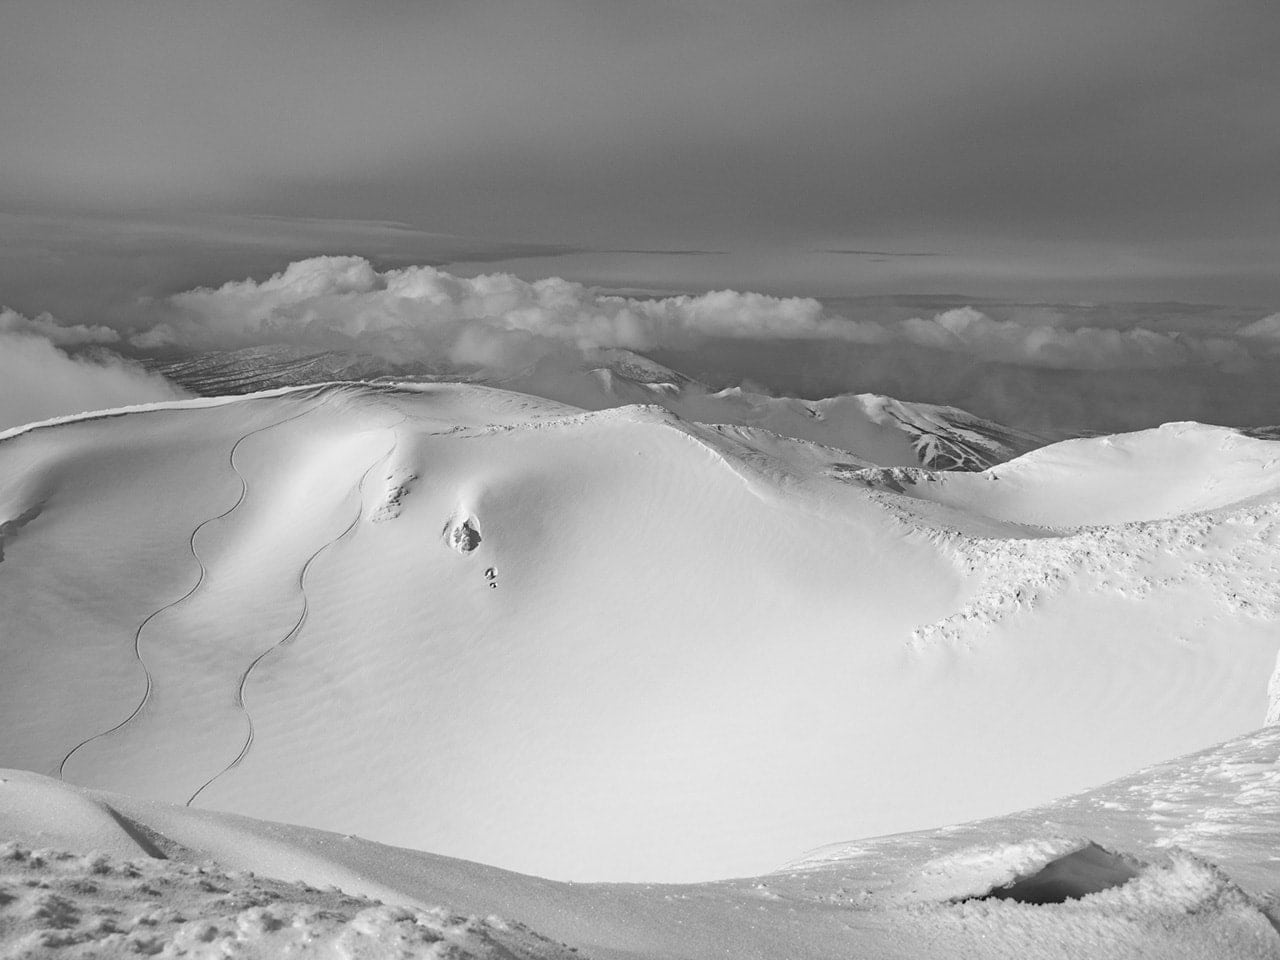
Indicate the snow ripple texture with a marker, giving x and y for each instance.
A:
(203, 575)
(296, 629)
(1232, 554)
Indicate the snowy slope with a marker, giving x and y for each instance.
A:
(218, 373)
(887, 432)
(609, 645)
(1170, 471)
(1175, 861)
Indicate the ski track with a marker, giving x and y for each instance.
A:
(302, 615)
(191, 544)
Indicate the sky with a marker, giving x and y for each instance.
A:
(1095, 152)
(1103, 148)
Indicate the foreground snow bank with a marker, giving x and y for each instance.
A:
(63, 904)
(1130, 861)
(56, 903)
(1160, 913)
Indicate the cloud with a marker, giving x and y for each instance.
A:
(50, 329)
(881, 254)
(1097, 119)
(666, 253)
(1055, 368)
(1268, 328)
(502, 322)
(41, 381)
(492, 320)
(969, 331)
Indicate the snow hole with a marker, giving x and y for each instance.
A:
(1088, 870)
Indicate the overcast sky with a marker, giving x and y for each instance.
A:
(1094, 149)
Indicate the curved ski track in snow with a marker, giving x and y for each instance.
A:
(302, 615)
(191, 544)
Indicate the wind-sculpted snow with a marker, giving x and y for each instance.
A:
(615, 644)
(398, 483)
(1173, 862)
(60, 904)
(1224, 549)
(1221, 804)
(1228, 557)
(1040, 872)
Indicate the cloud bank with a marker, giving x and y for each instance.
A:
(492, 321)
(42, 381)
(499, 321)
(1056, 369)
(1043, 344)
(44, 325)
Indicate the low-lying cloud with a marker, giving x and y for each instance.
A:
(492, 321)
(969, 331)
(47, 327)
(41, 381)
(1057, 369)
(500, 321)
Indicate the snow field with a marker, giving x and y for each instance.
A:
(674, 651)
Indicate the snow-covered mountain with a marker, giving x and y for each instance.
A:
(225, 372)
(885, 431)
(614, 644)
(889, 432)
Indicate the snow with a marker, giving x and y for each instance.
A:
(1191, 893)
(890, 432)
(57, 903)
(1167, 472)
(997, 869)
(615, 644)
(886, 431)
(623, 645)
